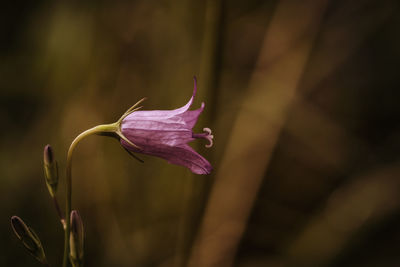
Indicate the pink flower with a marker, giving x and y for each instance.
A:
(166, 134)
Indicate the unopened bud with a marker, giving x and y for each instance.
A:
(50, 170)
(29, 239)
(76, 239)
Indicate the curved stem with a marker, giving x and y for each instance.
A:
(114, 127)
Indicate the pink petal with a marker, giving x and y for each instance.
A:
(182, 155)
(147, 137)
(167, 113)
(171, 132)
(190, 117)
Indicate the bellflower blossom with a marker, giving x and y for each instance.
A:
(166, 134)
(161, 133)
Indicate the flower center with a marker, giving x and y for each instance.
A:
(206, 135)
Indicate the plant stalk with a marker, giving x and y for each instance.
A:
(114, 127)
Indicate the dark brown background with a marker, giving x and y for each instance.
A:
(302, 97)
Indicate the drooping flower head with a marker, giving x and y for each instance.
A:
(166, 134)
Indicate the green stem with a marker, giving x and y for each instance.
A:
(59, 212)
(114, 127)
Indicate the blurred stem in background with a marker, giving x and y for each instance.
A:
(209, 77)
(371, 197)
(287, 45)
(211, 52)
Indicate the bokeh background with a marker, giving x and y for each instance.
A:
(302, 97)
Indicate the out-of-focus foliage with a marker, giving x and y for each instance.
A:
(302, 97)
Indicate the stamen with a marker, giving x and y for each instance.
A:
(207, 135)
(207, 130)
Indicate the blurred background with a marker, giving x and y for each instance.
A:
(302, 98)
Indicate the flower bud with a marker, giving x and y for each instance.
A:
(76, 239)
(28, 238)
(50, 170)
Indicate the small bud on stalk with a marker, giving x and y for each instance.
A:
(50, 170)
(29, 239)
(76, 239)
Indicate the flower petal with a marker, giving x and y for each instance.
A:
(190, 117)
(186, 156)
(147, 137)
(182, 155)
(152, 132)
(174, 123)
(167, 113)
